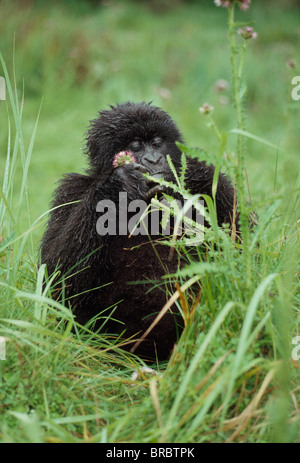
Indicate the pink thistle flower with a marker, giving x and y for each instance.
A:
(206, 108)
(248, 32)
(224, 3)
(122, 158)
(221, 85)
(244, 4)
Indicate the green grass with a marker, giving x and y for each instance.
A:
(232, 376)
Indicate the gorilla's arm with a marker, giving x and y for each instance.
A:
(68, 232)
(71, 241)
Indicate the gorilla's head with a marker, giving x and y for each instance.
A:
(145, 130)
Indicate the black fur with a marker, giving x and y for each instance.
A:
(88, 260)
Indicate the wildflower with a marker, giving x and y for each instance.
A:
(223, 3)
(206, 108)
(122, 158)
(248, 32)
(244, 4)
(221, 85)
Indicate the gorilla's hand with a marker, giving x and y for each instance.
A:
(154, 190)
(135, 183)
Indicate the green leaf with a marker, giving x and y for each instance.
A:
(254, 137)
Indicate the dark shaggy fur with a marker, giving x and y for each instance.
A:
(90, 261)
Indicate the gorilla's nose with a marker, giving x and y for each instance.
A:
(154, 160)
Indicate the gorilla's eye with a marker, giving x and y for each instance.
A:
(157, 142)
(135, 145)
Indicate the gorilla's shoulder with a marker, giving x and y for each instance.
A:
(71, 187)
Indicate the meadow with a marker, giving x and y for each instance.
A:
(234, 375)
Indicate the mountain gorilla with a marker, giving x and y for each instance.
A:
(98, 267)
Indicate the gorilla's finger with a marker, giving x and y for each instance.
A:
(157, 189)
(139, 167)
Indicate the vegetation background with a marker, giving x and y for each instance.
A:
(68, 60)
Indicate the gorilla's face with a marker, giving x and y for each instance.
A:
(152, 155)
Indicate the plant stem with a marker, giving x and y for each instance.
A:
(237, 71)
